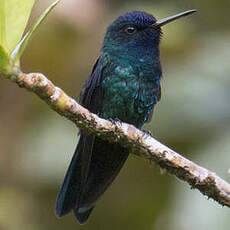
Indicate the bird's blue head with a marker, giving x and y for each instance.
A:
(132, 31)
(136, 31)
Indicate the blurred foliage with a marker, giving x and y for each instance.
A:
(192, 117)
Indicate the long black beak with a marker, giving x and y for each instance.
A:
(165, 21)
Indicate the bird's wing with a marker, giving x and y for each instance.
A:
(92, 92)
(159, 92)
(158, 99)
(91, 97)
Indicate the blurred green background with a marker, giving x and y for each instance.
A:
(193, 118)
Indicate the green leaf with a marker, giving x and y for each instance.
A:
(14, 15)
(2, 24)
(4, 61)
(17, 52)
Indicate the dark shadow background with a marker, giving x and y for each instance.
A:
(193, 118)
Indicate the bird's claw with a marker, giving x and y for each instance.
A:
(147, 132)
(115, 121)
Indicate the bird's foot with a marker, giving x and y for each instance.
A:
(147, 132)
(115, 121)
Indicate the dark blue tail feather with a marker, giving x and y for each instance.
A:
(82, 217)
(70, 189)
(88, 176)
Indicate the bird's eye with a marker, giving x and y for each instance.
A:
(130, 30)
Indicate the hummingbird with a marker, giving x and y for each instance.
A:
(124, 85)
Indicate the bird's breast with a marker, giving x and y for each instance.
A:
(129, 95)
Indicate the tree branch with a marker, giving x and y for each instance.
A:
(127, 135)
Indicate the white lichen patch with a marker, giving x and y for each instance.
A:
(169, 155)
(201, 174)
(43, 81)
(56, 94)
